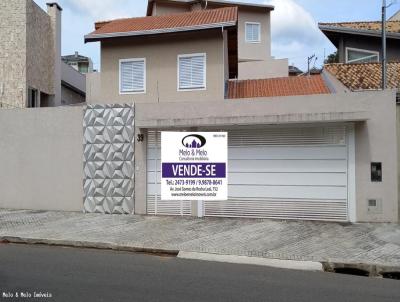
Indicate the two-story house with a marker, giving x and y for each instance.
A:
(361, 42)
(207, 66)
(235, 43)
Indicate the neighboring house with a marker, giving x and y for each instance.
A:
(365, 76)
(360, 53)
(361, 42)
(31, 71)
(73, 86)
(78, 62)
(294, 71)
(315, 71)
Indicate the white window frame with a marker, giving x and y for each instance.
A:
(204, 76)
(371, 52)
(259, 32)
(144, 76)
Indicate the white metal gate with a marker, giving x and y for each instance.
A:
(156, 206)
(274, 172)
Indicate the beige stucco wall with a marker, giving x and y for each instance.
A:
(12, 53)
(41, 159)
(255, 60)
(71, 97)
(93, 87)
(160, 9)
(398, 152)
(161, 67)
(39, 55)
(254, 51)
(271, 68)
(376, 141)
(372, 113)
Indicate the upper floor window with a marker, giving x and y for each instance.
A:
(253, 32)
(354, 55)
(192, 72)
(132, 76)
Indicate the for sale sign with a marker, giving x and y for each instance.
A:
(194, 166)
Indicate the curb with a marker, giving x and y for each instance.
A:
(276, 263)
(88, 245)
(372, 270)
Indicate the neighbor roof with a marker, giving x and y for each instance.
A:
(75, 58)
(365, 76)
(288, 86)
(196, 20)
(215, 2)
(363, 28)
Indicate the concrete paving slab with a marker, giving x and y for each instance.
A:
(277, 263)
(372, 244)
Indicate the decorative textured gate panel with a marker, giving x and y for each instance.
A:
(109, 159)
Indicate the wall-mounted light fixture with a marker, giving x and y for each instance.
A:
(140, 138)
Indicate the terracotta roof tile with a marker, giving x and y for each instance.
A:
(365, 76)
(289, 86)
(392, 26)
(196, 18)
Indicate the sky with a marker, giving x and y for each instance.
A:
(295, 33)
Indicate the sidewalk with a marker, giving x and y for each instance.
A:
(370, 244)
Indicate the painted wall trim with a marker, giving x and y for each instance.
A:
(351, 174)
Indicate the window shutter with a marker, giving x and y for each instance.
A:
(192, 72)
(252, 32)
(132, 76)
(249, 32)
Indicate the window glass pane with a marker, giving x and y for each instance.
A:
(354, 56)
(83, 68)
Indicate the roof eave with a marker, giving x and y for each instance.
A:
(97, 37)
(244, 4)
(150, 4)
(363, 32)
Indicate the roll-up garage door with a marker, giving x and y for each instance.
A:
(275, 172)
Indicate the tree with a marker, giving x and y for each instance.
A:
(332, 58)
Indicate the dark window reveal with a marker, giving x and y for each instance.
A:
(376, 172)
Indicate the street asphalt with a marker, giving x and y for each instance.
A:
(69, 274)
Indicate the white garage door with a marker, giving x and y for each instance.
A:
(285, 173)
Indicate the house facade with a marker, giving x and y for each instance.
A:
(299, 147)
(361, 42)
(238, 46)
(31, 71)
